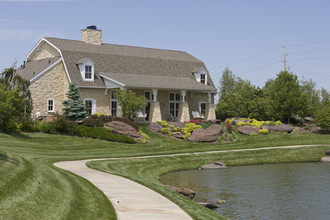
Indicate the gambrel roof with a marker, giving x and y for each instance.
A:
(129, 65)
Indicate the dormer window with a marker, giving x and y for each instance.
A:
(86, 67)
(203, 79)
(200, 74)
(88, 72)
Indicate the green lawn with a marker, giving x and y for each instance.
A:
(32, 188)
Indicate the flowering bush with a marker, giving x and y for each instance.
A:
(263, 131)
(229, 127)
(195, 121)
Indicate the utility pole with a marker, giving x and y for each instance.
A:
(284, 58)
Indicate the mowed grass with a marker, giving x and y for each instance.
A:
(32, 188)
(147, 171)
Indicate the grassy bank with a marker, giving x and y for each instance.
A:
(32, 188)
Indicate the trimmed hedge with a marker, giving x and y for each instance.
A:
(98, 120)
(101, 133)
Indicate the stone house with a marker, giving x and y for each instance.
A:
(174, 82)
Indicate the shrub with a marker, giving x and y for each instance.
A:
(278, 123)
(263, 131)
(101, 133)
(256, 123)
(322, 118)
(99, 121)
(190, 127)
(208, 123)
(62, 125)
(307, 128)
(45, 127)
(270, 123)
(171, 126)
(177, 129)
(166, 131)
(240, 124)
(145, 139)
(163, 123)
(229, 127)
(195, 121)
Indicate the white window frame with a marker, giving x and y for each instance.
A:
(89, 72)
(200, 108)
(111, 101)
(82, 68)
(93, 104)
(202, 74)
(198, 76)
(175, 102)
(53, 106)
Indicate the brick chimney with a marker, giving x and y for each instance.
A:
(91, 35)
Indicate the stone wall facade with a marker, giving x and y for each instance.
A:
(210, 112)
(102, 100)
(91, 36)
(53, 84)
(155, 112)
(184, 114)
(44, 51)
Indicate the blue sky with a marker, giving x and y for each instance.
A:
(246, 36)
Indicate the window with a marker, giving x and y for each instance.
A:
(174, 104)
(203, 78)
(89, 106)
(202, 108)
(88, 72)
(50, 105)
(114, 104)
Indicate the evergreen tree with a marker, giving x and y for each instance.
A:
(74, 108)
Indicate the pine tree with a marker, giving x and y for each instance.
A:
(74, 108)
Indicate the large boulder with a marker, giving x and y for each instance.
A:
(119, 127)
(186, 192)
(208, 205)
(155, 127)
(248, 129)
(278, 128)
(215, 165)
(209, 134)
(325, 160)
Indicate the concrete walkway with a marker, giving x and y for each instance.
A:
(130, 200)
(134, 201)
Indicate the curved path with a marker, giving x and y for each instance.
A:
(132, 200)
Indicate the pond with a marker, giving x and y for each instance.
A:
(276, 191)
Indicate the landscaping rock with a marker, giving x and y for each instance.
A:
(248, 129)
(208, 205)
(178, 135)
(177, 124)
(186, 192)
(155, 127)
(278, 128)
(325, 160)
(215, 165)
(119, 127)
(327, 152)
(209, 134)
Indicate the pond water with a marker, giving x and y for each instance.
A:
(276, 191)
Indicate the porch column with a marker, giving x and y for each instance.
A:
(155, 113)
(183, 108)
(209, 108)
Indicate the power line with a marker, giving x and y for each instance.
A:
(262, 67)
(312, 58)
(309, 51)
(311, 43)
(264, 61)
(248, 58)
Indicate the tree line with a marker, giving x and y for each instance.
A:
(283, 98)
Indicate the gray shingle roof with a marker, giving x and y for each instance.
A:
(132, 65)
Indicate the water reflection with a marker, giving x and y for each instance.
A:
(277, 191)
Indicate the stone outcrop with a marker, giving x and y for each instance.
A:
(325, 160)
(248, 129)
(209, 205)
(155, 127)
(215, 165)
(178, 135)
(209, 134)
(278, 128)
(186, 192)
(119, 127)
